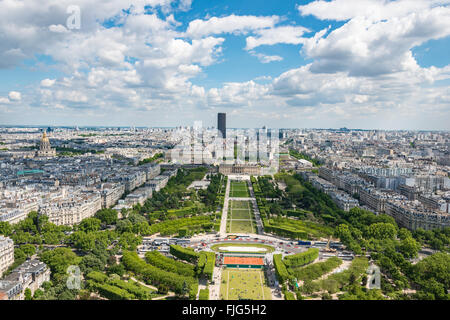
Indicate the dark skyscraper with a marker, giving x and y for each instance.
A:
(222, 124)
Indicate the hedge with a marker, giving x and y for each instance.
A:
(158, 260)
(140, 292)
(296, 229)
(315, 270)
(300, 259)
(112, 292)
(186, 254)
(169, 227)
(280, 269)
(285, 231)
(337, 281)
(155, 276)
(201, 262)
(208, 270)
(204, 294)
(288, 295)
(97, 276)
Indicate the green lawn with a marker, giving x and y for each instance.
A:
(244, 284)
(241, 214)
(239, 204)
(240, 217)
(242, 226)
(239, 189)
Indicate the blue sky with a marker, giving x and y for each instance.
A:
(357, 63)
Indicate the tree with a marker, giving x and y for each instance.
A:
(90, 263)
(163, 289)
(5, 228)
(326, 296)
(90, 225)
(381, 230)
(28, 295)
(432, 267)
(116, 269)
(364, 280)
(352, 279)
(185, 289)
(59, 259)
(409, 247)
(107, 216)
(37, 294)
(404, 233)
(124, 225)
(28, 249)
(343, 232)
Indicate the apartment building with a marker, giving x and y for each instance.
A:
(29, 275)
(412, 215)
(6, 254)
(373, 199)
(111, 193)
(71, 211)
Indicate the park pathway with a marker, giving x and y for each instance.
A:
(259, 225)
(223, 223)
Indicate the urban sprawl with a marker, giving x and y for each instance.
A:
(208, 214)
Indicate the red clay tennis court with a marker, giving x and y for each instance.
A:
(243, 261)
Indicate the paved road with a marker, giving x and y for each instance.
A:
(259, 224)
(223, 222)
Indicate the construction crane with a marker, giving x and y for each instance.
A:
(327, 247)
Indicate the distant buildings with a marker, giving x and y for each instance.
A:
(158, 182)
(246, 169)
(411, 215)
(427, 212)
(6, 254)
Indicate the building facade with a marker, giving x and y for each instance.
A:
(222, 124)
(6, 254)
(45, 149)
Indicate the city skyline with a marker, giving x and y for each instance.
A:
(372, 64)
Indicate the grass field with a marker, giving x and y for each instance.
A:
(244, 284)
(242, 226)
(239, 189)
(240, 217)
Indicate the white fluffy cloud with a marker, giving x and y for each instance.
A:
(48, 82)
(375, 10)
(27, 27)
(363, 71)
(266, 58)
(282, 34)
(14, 96)
(229, 24)
(369, 46)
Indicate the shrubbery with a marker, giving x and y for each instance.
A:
(204, 294)
(169, 227)
(301, 259)
(280, 269)
(156, 276)
(160, 261)
(315, 270)
(186, 254)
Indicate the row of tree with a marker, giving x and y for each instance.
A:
(181, 285)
